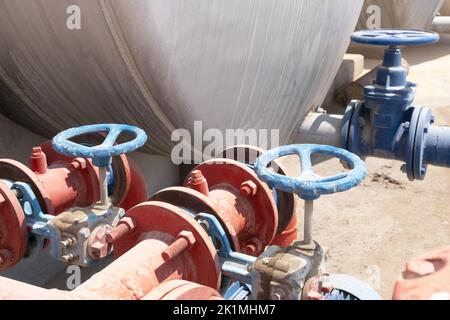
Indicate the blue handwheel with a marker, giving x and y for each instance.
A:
(310, 186)
(395, 37)
(101, 155)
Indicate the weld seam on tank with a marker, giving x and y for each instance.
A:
(127, 58)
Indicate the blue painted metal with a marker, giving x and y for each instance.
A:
(234, 265)
(437, 146)
(386, 124)
(394, 37)
(310, 186)
(101, 154)
(358, 289)
(110, 175)
(37, 222)
(236, 291)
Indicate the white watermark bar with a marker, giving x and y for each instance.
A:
(205, 145)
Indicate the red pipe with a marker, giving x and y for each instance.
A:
(140, 266)
(232, 192)
(182, 290)
(290, 234)
(130, 277)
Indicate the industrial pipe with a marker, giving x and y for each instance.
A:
(437, 146)
(162, 250)
(37, 200)
(320, 128)
(287, 203)
(386, 124)
(60, 182)
(441, 24)
(232, 192)
(139, 265)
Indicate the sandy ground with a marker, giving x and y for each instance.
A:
(373, 229)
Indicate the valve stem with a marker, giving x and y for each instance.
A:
(307, 231)
(103, 179)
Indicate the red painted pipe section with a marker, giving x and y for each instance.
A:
(130, 187)
(182, 290)
(59, 183)
(15, 290)
(137, 191)
(288, 235)
(232, 192)
(287, 207)
(130, 277)
(137, 271)
(57, 187)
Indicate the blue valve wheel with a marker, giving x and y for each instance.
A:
(100, 154)
(395, 37)
(309, 186)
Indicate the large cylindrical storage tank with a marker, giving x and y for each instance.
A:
(405, 14)
(162, 64)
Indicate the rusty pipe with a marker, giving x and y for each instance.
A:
(132, 276)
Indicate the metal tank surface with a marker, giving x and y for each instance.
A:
(405, 14)
(162, 64)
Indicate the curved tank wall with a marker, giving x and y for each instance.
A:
(161, 64)
(408, 14)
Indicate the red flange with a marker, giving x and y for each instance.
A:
(130, 188)
(233, 193)
(181, 248)
(286, 237)
(287, 203)
(61, 186)
(243, 202)
(137, 191)
(60, 182)
(13, 229)
(182, 290)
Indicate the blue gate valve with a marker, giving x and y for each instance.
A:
(309, 186)
(386, 124)
(102, 154)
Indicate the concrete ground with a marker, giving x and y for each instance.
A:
(373, 229)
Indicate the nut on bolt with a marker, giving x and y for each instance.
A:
(98, 246)
(184, 241)
(253, 246)
(78, 163)
(125, 226)
(248, 188)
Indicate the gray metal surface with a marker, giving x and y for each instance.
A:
(405, 14)
(162, 64)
